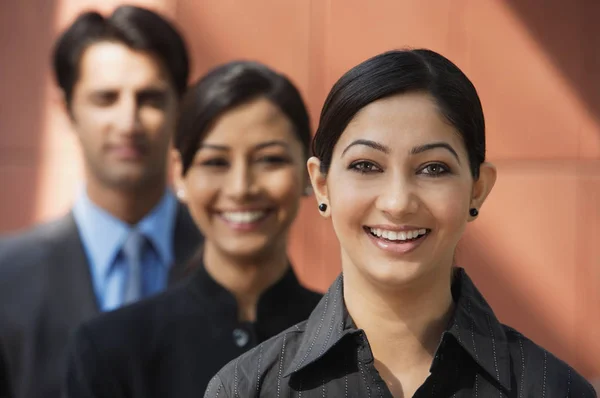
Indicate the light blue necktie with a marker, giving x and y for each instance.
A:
(133, 250)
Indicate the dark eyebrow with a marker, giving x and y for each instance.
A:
(370, 144)
(213, 146)
(262, 145)
(153, 91)
(267, 144)
(427, 147)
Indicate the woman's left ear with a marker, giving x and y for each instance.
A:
(482, 187)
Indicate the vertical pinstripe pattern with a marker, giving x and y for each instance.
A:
(211, 387)
(258, 383)
(317, 333)
(522, 381)
(332, 321)
(544, 384)
(235, 380)
(366, 383)
(472, 329)
(281, 366)
(379, 390)
(346, 386)
(494, 349)
(457, 333)
(306, 361)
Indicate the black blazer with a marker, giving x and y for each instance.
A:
(172, 344)
(46, 291)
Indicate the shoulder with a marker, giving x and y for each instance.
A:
(26, 254)
(536, 368)
(138, 326)
(27, 242)
(243, 376)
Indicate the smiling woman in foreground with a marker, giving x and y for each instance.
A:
(399, 167)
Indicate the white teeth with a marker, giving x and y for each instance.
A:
(393, 235)
(243, 217)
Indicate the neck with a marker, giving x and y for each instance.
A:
(128, 205)
(246, 278)
(403, 324)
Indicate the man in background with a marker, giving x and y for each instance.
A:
(126, 237)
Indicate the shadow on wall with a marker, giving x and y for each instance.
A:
(27, 34)
(512, 307)
(569, 33)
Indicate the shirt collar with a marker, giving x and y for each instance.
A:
(474, 327)
(286, 296)
(158, 226)
(103, 234)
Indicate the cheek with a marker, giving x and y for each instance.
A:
(283, 187)
(156, 120)
(348, 214)
(201, 191)
(448, 204)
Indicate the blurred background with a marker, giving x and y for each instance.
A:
(535, 249)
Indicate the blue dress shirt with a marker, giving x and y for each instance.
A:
(103, 236)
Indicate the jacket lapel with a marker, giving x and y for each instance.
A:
(70, 275)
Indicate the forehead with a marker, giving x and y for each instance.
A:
(252, 123)
(401, 122)
(114, 65)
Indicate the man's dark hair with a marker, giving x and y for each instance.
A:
(135, 27)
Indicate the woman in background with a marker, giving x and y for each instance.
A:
(399, 167)
(241, 147)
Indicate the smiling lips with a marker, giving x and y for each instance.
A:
(397, 241)
(244, 220)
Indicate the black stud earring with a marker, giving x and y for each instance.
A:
(322, 207)
(474, 212)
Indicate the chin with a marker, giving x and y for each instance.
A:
(394, 273)
(247, 253)
(129, 180)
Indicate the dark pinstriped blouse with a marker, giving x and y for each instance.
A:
(327, 356)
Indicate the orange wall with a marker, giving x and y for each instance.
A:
(533, 251)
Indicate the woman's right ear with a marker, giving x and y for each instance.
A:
(318, 181)
(178, 175)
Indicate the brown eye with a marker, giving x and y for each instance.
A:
(216, 162)
(364, 167)
(434, 169)
(104, 98)
(153, 98)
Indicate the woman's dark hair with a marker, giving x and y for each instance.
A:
(228, 86)
(137, 28)
(397, 72)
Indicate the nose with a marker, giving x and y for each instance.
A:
(127, 118)
(240, 183)
(398, 197)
